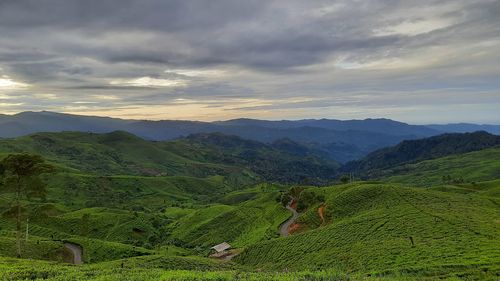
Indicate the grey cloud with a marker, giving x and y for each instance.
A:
(273, 50)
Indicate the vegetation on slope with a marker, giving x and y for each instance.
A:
(121, 153)
(240, 224)
(457, 169)
(381, 227)
(332, 137)
(148, 227)
(412, 151)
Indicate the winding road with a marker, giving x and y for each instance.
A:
(284, 227)
(76, 250)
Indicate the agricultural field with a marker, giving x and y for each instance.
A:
(418, 230)
(464, 168)
(418, 224)
(223, 140)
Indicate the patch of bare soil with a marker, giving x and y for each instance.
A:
(321, 213)
(294, 227)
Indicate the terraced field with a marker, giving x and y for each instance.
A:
(470, 167)
(250, 221)
(383, 227)
(421, 223)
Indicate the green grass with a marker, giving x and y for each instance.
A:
(472, 167)
(78, 191)
(489, 189)
(95, 250)
(112, 153)
(134, 224)
(367, 232)
(106, 224)
(35, 248)
(240, 162)
(137, 268)
(177, 212)
(240, 224)
(187, 269)
(370, 229)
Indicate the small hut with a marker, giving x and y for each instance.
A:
(220, 250)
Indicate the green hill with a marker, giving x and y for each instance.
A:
(121, 153)
(413, 151)
(381, 228)
(457, 169)
(110, 154)
(428, 220)
(240, 224)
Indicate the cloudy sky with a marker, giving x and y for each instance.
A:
(416, 61)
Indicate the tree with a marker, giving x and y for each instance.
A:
(21, 176)
(345, 179)
(307, 199)
(285, 199)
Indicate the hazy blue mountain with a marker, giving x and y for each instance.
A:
(337, 139)
(381, 125)
(25, 123)
(466, 128)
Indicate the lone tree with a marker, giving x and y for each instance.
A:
(21, 176)
(345, 179)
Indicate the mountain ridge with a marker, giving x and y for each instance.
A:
(411, 151)
(340, 140)
(202, 155)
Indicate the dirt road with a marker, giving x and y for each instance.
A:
(284, 227)
(77, 252)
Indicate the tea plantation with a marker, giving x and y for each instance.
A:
(140, 210)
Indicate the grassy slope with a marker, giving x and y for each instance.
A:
(137, 268)
(413, 151)
(362, 235)
(112, 153)
(79, 191)
(474, 166)
(252, 219)
(153, 268)
(95, 250)
(367, 228)
(370, 226)
(240, 224)
(120, 153)
(490, 189)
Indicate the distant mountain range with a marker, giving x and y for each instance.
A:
(466, 128)
(339, 140)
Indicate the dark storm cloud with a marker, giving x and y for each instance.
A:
(293, 54)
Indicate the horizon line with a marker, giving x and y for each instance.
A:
(248, 118)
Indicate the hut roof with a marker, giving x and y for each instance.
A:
(221, 247)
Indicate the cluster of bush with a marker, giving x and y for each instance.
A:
(450, 180)
(305, 198)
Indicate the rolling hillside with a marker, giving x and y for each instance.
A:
(412, 151)
(382, 227)
(332, 137)
(121, 153)
(241, 223)
(152, 210)
(464, 168)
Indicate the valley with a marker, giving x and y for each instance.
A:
(119, 205)
(223, 140)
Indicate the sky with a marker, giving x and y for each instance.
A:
(414, 61)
